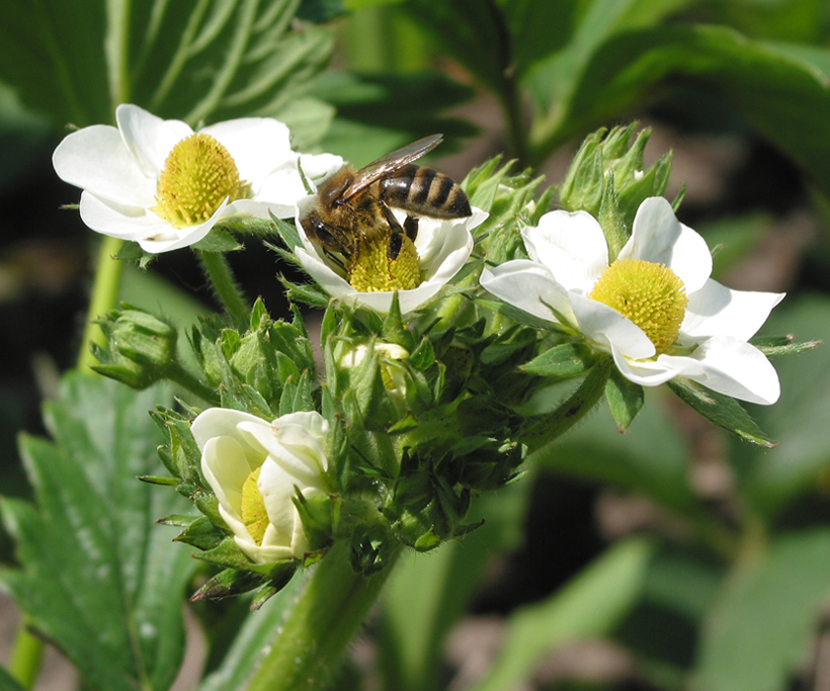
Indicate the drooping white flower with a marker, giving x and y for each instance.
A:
(655, 309)
(443, 247)
(254, 466)
(160, 184)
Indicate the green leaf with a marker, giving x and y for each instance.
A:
(783, 96)
(75, 60)
(763, 621)
(258, 631)
(554, 82)
(798, 421)
(442, 583)
(98, 577)
(592, 604)
(722, 410)
(378, 113)
(624, 398)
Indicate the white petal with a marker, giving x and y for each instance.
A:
(319, 167)
(334, 285)
(571, 245)
(646, 372)
(658, 237)
(733, 367)
(250, 208)
(221, 422)
(716, 310)
(276, 485)
(607, 327)
(125, 222)
(529, 286)
(149, 138)
(257, 145)
(226, 466)
(303, 461)
(283, 187)
(176, 238)
(96, 160)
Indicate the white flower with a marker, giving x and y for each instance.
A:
(247, 165)
(703, 339)
(443, 247)
(253, 466)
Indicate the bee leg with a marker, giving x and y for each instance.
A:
(410, 227)
(398, 233)
(334, 258)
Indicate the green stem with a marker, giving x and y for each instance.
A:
(225, 287)
(311, 642)
(544, 430)
(187, 380)
(104, 298)
(26, 656)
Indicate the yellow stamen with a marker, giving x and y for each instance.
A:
(253, 507)
(651, 295)
(198, 175)
(373, 271)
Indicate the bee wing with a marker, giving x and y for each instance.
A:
(390, 163)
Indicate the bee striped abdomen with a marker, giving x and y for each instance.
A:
(424, 191)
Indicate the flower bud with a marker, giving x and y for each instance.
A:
(256, 469)
(385, 364)
(142, 347)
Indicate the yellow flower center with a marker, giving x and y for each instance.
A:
(253, 507)
(372, 270)
(198, 175)
(651, 295)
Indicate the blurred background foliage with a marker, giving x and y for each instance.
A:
(671, 557)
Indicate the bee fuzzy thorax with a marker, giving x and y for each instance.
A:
(353, 216)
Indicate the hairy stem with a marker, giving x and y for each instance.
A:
(546, 428)
(225, 287)
(310, 644)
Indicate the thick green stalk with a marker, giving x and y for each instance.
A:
(225, 287)
(311, 643)
(104, 298)
(546, 428)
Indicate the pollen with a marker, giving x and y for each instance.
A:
(373, 270)
(253, 507)
(198, 175)
(651, 295)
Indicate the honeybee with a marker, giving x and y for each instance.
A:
(354, 207)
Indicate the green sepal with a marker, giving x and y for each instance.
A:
(372, 548)
(208, 504)
(307, 293)
(131, 251)
(319, 515)
(611, 219)
(226, 583)
(218, 241)
(782, 345)
(565, 361)
(201, 533)
(722, 410)
(393, 330)
(181, 455)
(625, 399)
(159, 480)
(287, 231)
(423, 357)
